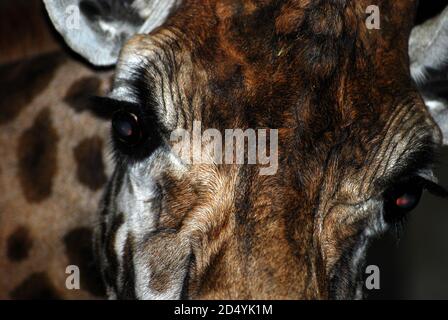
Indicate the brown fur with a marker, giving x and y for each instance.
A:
(80, 93)
(19, 244)
(31, 76)
(40, 153)
(37, 286)
(37, 158)
(51, 157)
(78, 245)
(90, 165)
(340, 94)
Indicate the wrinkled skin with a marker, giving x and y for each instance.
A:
(348, 116)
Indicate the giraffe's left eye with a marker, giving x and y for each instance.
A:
(402, 199)
(127, 128)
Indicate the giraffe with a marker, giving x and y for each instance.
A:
(54, 160)
(207, 239)
(356, 141)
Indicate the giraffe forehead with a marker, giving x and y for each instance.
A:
(247, 47)
(229, 77)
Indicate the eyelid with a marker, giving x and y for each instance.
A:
(430, 183)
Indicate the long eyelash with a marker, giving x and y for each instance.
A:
(106, 107)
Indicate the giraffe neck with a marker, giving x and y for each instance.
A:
(24, 31)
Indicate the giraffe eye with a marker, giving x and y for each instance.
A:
(127, 128)
(402, 199)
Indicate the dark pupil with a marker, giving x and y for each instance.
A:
(126, 127)
(407, 201)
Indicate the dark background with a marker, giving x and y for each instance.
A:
(416, 265)
(429, 8)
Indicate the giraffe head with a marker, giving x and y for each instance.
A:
(350, 134)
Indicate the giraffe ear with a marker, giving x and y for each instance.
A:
(97, 29)
(428, 51)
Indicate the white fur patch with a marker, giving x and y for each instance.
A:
(138, 200)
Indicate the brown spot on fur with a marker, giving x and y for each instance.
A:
(21, 82)
(78, 245)
(37, 158)
(90, 165)
(83, 96)
(79, 94)
(19, 244)
(36, 287)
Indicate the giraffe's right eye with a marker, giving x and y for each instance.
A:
(127, 128)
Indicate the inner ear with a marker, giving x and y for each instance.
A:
(428, 52)
(98, 29)
(90, 9)
(428, 10)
